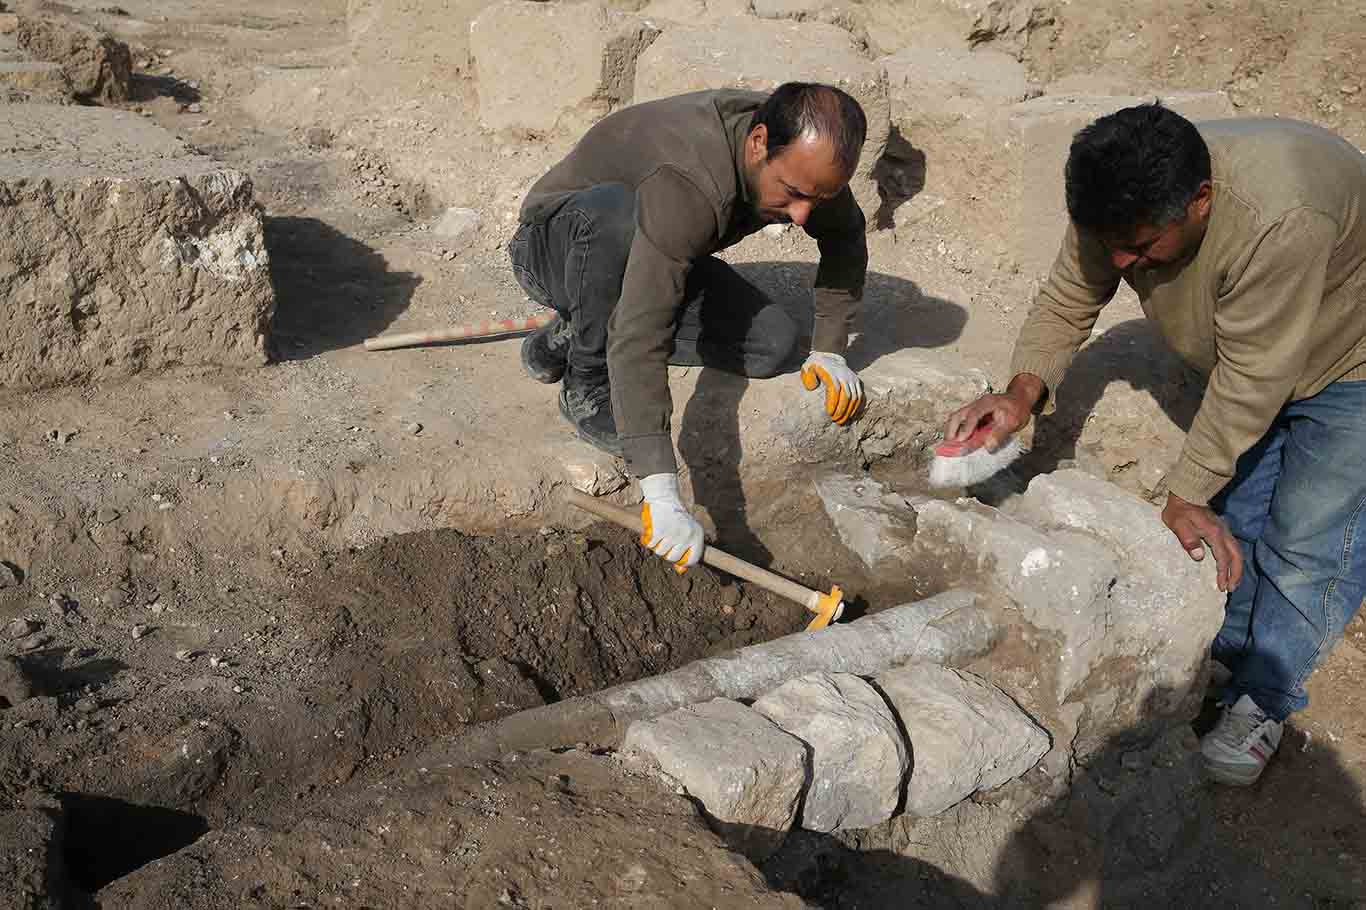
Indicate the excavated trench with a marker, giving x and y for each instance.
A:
(404, 643)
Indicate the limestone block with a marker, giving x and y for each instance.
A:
(858, 758)
(722, 54)
(98, 67)
(745, 771)
(426, 41)
(940, 85)
(1040, 135)
(547, 66)
(1163, 612)
(966, 735)
(121, 251)
(32, 873)
(907, 399)
(1060, 582)
(875, 524)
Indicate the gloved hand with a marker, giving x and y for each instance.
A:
(843, 391)
(669, 529)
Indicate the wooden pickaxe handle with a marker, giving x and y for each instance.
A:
(827, 607)
(488, 329)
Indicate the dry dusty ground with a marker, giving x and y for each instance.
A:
(296, 645)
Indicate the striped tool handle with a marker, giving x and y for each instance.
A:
(488, 329)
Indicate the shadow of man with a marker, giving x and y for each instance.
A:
(331, 291)
(894, 315)
(1140, 828)
(1133, 352)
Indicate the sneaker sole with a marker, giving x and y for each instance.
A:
(553, 375)
(1230, 776)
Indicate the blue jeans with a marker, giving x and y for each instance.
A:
(1297, 504)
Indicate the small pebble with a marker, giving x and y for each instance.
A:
(196, 475)
(139, 631)
(554, 550)
(165, 507)
(156, 497)
(9, 576)
(415, 428)
(21, 627)
(185, 655)
(238, 689)
(196, 108)
(87, 706)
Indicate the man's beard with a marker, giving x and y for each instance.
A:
(751, 176)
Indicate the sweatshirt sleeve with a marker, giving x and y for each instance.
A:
(838, 227)
(1263, 323)
(1079, 285)
(675, 223)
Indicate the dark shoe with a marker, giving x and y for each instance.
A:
(587, 404)
(545, 352)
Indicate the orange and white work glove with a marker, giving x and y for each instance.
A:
(843, 391)
(668, 528)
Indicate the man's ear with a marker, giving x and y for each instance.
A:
(1204, 198)
(756, 145)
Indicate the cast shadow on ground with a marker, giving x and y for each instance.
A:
(895, 315)
(331, 291)
(147, 87)
(1132, 352)
(51, 676)
(1138, 828)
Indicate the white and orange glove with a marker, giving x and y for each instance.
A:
(843, 391)
(669, 530)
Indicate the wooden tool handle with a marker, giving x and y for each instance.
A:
(486, 329)
(713, 557)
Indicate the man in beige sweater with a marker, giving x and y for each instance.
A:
(1246, 243)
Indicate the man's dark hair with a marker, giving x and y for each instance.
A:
(797, 109)
(1140, 165)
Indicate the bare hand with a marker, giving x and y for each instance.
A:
(1197, 527)
(1008, 412)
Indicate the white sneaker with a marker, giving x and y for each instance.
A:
(1236, 751)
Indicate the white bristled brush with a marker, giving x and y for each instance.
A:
(962, 464)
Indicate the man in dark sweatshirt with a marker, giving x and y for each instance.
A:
(1246, 243)
(618, 238)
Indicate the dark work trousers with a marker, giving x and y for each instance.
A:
(574, 263)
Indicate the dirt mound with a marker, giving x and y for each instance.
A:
(573, 612)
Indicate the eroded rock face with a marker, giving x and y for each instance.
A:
(122, 251)
(98, 67)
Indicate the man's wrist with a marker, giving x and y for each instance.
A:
(1027, 389)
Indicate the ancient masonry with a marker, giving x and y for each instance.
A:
(126, 251)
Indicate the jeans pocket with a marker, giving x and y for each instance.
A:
(519, 252)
